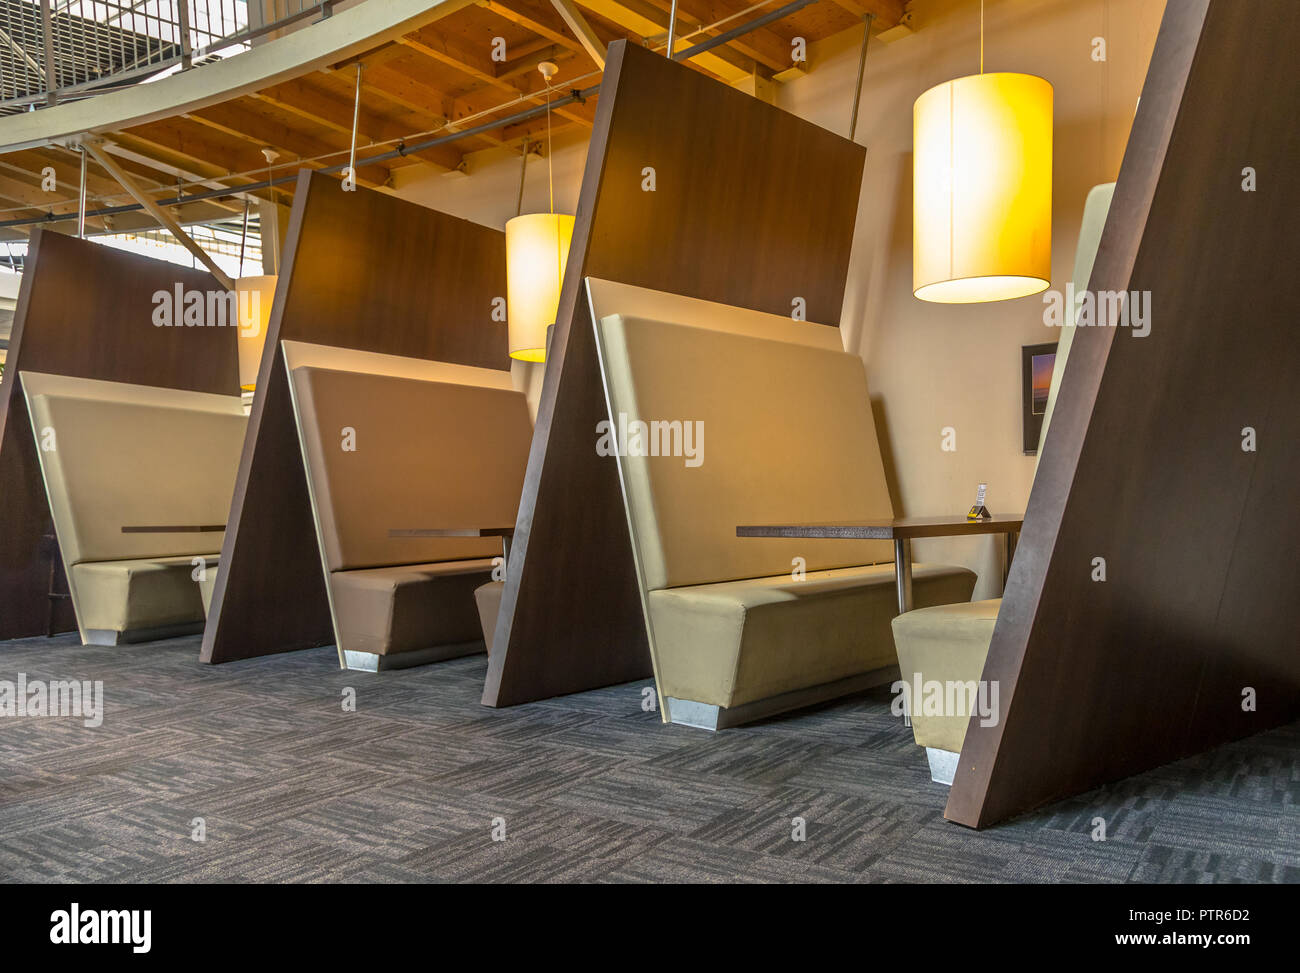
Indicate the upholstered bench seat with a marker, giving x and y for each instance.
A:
(441, 457)
(488, 599)
(946, 644)
(791, 438)
(207, 585)
(141, 596)
(410, 607)
(139, 485)
(736, 642)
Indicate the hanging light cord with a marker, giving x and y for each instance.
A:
(550, 183)
(981, 36)
(550, 170)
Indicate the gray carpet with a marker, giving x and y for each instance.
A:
(591, 789)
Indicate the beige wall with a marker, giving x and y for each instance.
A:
(929, 365)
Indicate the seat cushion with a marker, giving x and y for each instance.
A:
(130, 595)
(207, 583)
(945, 644)
(414, 606)
(739, 641)
(488, 598)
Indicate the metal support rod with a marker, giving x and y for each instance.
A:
(243, 238)
(903, 573)
(356, 122)
(672, 27)
(159, 214)
(862, 65)
(81, 199)
(523, 171)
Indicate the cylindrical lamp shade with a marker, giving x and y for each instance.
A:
(253, 297)
(537, 249)
(982, 189)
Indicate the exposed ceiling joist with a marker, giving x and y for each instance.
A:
(160, 214)
(581, 30)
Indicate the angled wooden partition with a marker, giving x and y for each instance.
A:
(1175, 456)
(85, 310)
(690, 187)
(361, 270)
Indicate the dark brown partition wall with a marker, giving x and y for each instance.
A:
(751, 206)
(85, 310)
(1191, 640)
(361, 270)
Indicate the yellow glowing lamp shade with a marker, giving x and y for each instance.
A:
(537, 248)
(982, 189)
(253, 297)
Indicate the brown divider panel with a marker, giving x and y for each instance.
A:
(84, 310)
(361, 270)
(1144, 464)
(752, 207)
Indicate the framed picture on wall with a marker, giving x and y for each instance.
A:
(1036, 364)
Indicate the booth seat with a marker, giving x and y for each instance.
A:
(406, 461)
(949, 645)
(208, 584)
(782, 431)
(488, 599)
(118, 457)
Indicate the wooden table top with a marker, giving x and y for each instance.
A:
(451, 531)
(175, 529)
(901, 528)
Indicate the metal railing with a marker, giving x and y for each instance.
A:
(57, 50)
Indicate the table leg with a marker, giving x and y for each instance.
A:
(1011, 537)
(903, 573)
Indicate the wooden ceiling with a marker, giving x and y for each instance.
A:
(425, 84)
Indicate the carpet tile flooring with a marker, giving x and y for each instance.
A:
(412, 786)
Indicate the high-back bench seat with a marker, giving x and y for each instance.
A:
(398, 451)
(783, 432)
(139, 481)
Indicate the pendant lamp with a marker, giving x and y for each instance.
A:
(537, 250)
(982, 188)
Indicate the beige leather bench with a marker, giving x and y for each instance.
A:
(160, 463)
(947, 646)
(741, 627)
(399, 453)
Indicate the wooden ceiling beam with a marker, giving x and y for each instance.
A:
(141, 161)
(764, 45)
(582, 30)
(888, 13)
(160, 214)
(324, 108)
(483, 71)
(16, 192)
(412, 82)
(425, 113)
(647, 20)
(238, 122)
(31, 163)
(148, 146)
(542, 20)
